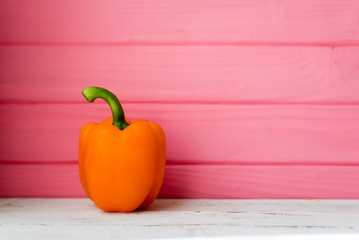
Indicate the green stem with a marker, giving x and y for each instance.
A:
(91, 93)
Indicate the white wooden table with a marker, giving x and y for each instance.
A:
(38, 218)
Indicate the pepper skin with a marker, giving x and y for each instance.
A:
(121, 164)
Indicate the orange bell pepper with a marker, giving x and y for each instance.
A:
(121, 164)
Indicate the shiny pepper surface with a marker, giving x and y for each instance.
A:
(121, 164)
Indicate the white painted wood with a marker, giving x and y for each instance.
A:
(38, 218)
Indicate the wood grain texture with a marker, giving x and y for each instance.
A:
(180, 22)
(196, 133)
(258, 99)
(261, 181)
(180, 219)
(196, 181)
(182, 73)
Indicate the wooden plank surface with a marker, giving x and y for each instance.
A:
(196, 181)
(181, 219)
(196, 133)
(180, 22)
(225, 74)
(266, 88)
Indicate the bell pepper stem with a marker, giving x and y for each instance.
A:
(118, 115)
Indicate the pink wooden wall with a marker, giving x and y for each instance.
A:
(258, 99)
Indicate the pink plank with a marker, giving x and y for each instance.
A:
(182, 73)
(44, 180)
(262, 181)
(196, 133)
(196, 181)
(186, 21)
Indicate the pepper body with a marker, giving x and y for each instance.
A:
(122, 170)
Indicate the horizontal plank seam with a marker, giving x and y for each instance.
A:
(196, 163)
(329, 103)
(192, 43)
